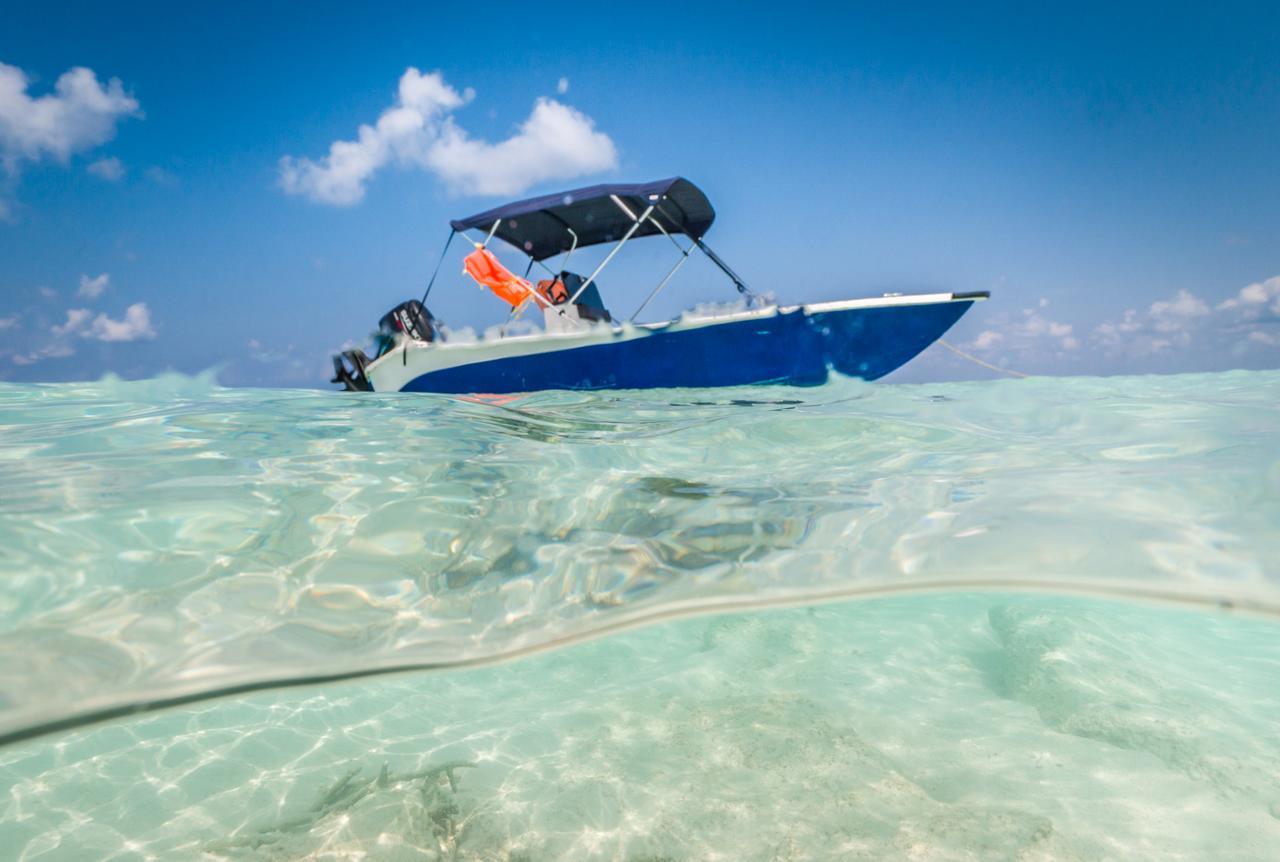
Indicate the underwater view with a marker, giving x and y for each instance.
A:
(1017, 620)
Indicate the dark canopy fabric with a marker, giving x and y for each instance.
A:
(537, 226)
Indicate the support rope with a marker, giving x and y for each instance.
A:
(432, 282)
(975, 360)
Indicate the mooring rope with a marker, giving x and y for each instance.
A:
(975, 360)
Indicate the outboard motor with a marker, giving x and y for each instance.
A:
(410, 319)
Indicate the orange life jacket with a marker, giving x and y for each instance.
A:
(553, 290)
(489, 271)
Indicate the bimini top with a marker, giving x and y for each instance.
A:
(540, 226)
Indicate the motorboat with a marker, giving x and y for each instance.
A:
(582, 345)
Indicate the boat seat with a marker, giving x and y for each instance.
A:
(590, 305)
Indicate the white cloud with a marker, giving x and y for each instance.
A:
(1254, 299)
(562, 86)
(79, 115)
(1176, 314)
(48, 292)
(59, 340)
(403, 133)
(57, 349)
(1034, 325)
(1025, 335)
(1185, 319)
(1165, 324)
(162, 177)
(554, 142)
(1114, 329)
(110, 169)
(135, 324)
(76, 320)
(987, 339)
(92, 288)
(8, 322)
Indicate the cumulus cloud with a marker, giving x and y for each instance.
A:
(80, 114)
(562, 86)
(554, 142)
(162, 177)
(987, 339)
(59, 341)
(135, 324)
(1175, 314)
(8, 322)
(49, 351)
(1029, 331)
(76, 320)
(92, 288)
(1165, 324)
(110, 169)
(1233, 325)
(1256, 299)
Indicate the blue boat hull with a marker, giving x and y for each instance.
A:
(797, 347)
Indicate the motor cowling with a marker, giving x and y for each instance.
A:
(411, 318)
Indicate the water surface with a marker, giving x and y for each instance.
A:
(168, 541)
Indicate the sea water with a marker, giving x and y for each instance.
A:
(1022, 620)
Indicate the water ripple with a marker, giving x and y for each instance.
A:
(193, 539)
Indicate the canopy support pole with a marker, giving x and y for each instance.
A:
(626, 236)
(715, 258)
(436, 272)
(684, 255)
(502, 331)
(550, 271)
(492, 231)
(564, 264)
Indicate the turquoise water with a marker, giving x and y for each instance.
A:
(1018, 620)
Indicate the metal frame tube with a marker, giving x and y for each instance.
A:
(679, 263)
(564, 264)
(684, 255)
(715, 258)
(626, 236)
(492, 231)
(537, 297)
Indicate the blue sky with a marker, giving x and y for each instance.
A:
(1111, 176)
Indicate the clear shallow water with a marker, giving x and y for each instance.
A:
(939, 727)
(170, 539)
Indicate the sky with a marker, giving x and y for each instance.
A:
(248, 188)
